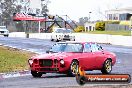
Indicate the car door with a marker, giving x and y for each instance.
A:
(87, 57)
(98, 55)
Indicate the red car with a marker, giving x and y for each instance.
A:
(67, 57)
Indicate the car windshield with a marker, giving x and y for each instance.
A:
(67, 31)
(67, 47)
(59, 31)
(2, 27)
(63, 30)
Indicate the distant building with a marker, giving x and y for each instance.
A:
(89, 26)
(123, 14)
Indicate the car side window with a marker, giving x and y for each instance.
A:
(87, 48)
(94, 47)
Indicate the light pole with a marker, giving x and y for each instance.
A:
(89, 16)
(66, 22)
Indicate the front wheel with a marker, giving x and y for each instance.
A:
(73, 70)
(36, 74)
(107, 67)
(6, 35)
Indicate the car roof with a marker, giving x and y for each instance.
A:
(2, 26)
(82, 42)
(59, 28)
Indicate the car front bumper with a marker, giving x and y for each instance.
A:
(53, 66)
(4, 33)
(68, 38)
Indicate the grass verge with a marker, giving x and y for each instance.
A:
(124, 33)
(13, 59)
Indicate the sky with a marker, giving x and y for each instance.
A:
(76, 9)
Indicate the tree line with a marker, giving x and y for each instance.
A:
(8, 7)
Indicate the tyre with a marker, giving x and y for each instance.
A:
(52, 39)
(57, 40)
(6, 35)
(73, 39)
(74, 68)
(107, 67)
(36, 74)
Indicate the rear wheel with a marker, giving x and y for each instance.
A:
(73, 39)
(73, 68)
(52, 39)
(57, 40)
(107, 67)
(36, 74)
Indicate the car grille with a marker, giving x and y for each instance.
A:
(2, 31)
(45, 62)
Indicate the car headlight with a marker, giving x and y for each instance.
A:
(62, 62)
(30, 61)
(6, 31)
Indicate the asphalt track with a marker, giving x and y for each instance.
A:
(123, 65)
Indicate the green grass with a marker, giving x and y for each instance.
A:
(124, 33)
(13, 59)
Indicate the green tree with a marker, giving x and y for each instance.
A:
(100, 26)
(7, 8)
(44, 6)
(80, 29)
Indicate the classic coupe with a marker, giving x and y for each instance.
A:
(67, 57)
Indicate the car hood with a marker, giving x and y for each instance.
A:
(56, 56)
(3, 30)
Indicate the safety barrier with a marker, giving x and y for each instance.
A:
(100, 38)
